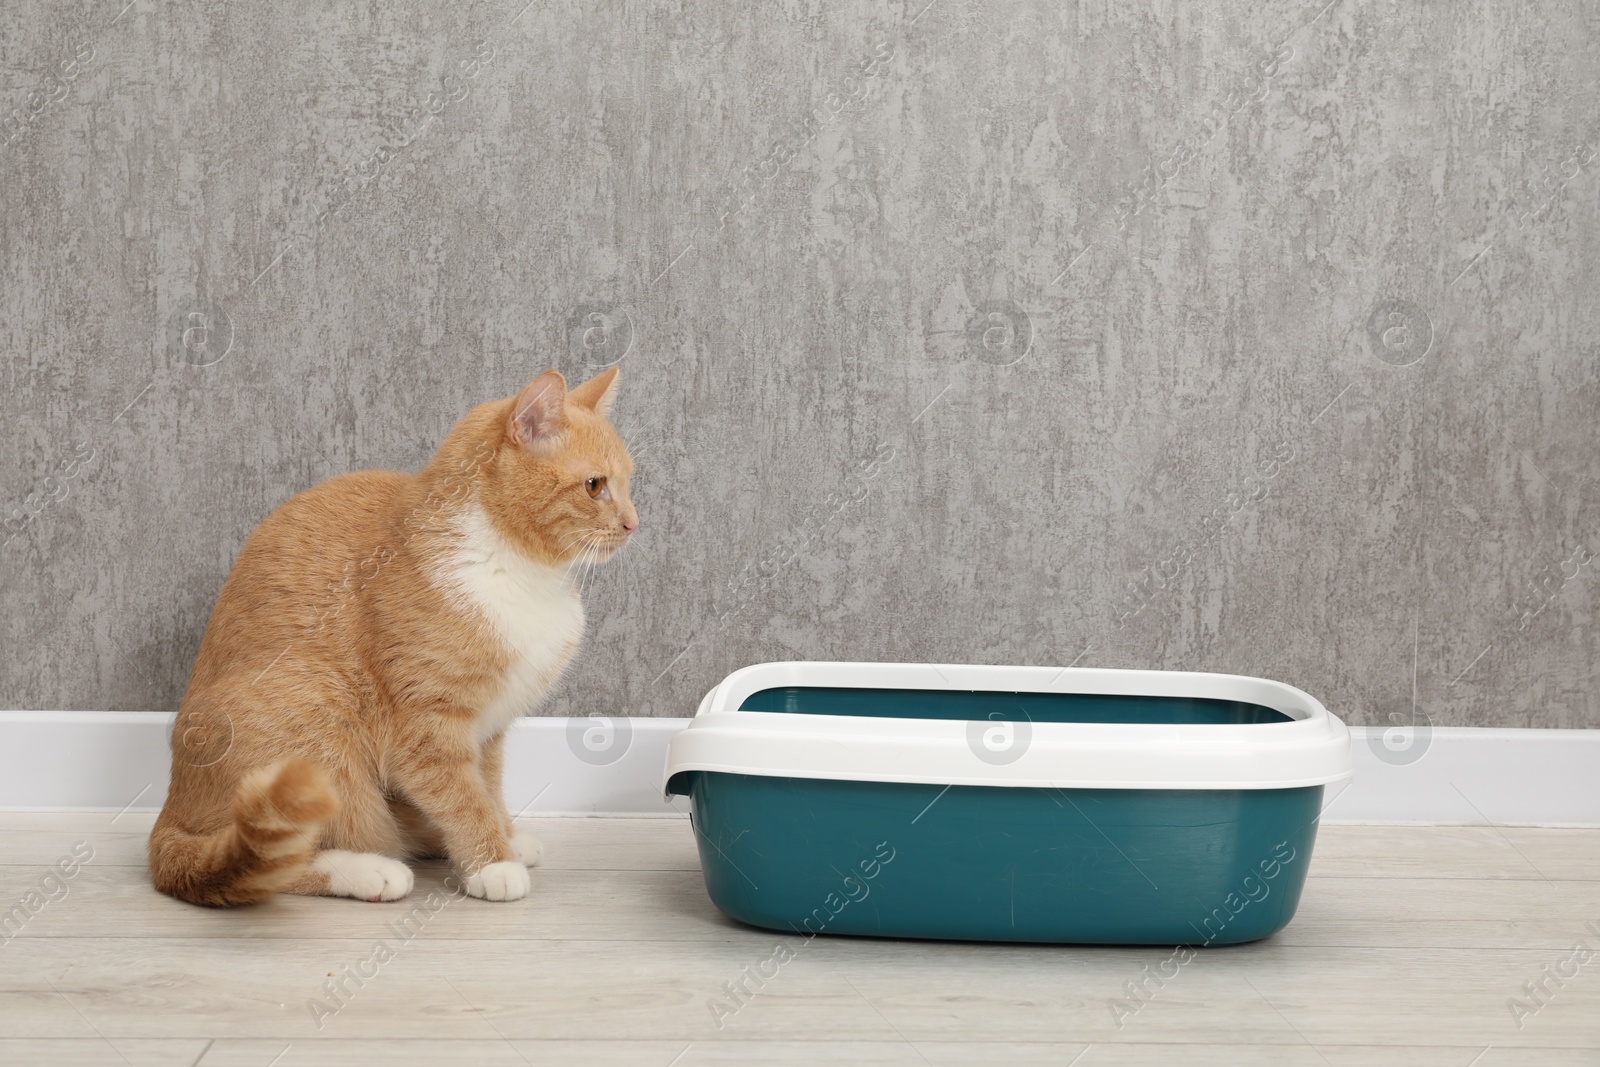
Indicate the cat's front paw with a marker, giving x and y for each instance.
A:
(527, 847)
(506, 880)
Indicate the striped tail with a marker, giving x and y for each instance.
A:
(278, 813)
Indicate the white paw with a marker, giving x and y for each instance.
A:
(363, 875)
(506, 880)
(527, 847)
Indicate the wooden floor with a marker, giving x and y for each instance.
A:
(1407, 948)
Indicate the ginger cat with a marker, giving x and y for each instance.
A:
(376, 637)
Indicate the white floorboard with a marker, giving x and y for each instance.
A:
(1408, 943)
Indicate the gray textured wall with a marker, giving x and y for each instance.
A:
(920, 360)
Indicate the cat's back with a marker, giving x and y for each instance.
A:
(301, 568)
(315, 533)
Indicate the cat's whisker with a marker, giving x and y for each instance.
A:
(578, 565)
(595, 545)
(600, 539)
(581, 539)
(573, 567)
(575, 535)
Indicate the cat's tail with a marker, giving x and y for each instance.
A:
(278, 812)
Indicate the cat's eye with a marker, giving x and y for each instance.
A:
(595, 486)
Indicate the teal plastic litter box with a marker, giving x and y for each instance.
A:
(1007, 803)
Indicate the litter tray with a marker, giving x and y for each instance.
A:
(1007, 803)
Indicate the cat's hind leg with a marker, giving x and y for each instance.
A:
(359, 846)
(337, 872)
(420, 839)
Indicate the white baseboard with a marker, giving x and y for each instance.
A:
(111, 760)
(114, 761)
(1471, 776)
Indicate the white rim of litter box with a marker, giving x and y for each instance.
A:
(1313, 748)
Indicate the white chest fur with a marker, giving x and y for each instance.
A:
(531, 608)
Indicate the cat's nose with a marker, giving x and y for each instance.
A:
(630, 524)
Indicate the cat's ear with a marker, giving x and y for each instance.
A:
(536, 414)
(598, 393)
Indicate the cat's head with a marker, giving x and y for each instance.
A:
(559, 483)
